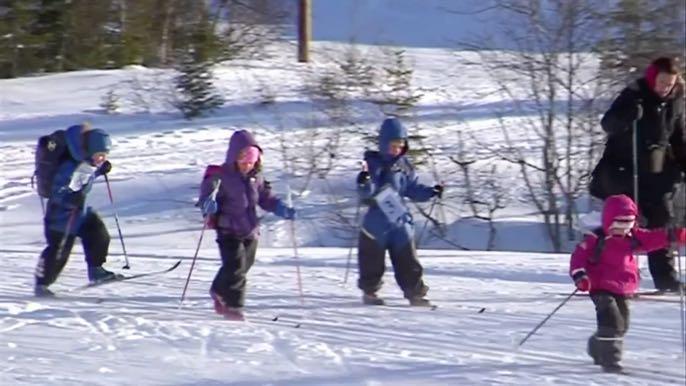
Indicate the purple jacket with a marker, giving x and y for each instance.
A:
(239, 195)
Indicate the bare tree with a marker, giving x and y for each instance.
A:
(553, 86)
(487, 195)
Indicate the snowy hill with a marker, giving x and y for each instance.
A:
(135, 332)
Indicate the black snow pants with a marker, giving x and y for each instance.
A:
(95, 240)
(237, 258)
(612, 315)
(406, 266)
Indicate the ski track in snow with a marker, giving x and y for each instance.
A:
(121, 331)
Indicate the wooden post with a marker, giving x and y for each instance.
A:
(304, 30)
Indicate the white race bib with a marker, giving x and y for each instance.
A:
(391, 204)
(82, 176)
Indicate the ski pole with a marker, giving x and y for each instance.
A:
(682, 275)
(289, 202)
(682, 303)
(634, 148)
(441, 209)
(365, 168)
(67, 231)
(352, 245)
(547, 317)
(677, 255)
(428, 215)
(195, 256)
(213, 196)
(33, 186)
(116, 221)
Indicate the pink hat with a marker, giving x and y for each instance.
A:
(250, 155)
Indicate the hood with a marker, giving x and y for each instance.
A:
(239, 141)
(391, 129)
(615, 206)
(83, 142)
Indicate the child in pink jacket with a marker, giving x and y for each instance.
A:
(611, 276)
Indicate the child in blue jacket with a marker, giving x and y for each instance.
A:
(67, 215)
(387, 178)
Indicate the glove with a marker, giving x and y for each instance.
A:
(209, 207)
(581, 281)
(438, 191)
(105, 168)
(680, 236)
(284, 211)
(363, 177)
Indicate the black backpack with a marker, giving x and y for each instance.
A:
(51, 151)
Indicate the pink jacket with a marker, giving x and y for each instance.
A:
(616, 270)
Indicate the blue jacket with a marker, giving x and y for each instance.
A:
(68, 195)
(397, 173)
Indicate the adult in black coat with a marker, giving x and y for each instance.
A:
(656, 103)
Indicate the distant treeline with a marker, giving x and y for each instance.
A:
(62, 35)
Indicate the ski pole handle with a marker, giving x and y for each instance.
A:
(289, 199)
(639, 109)
(215, 189)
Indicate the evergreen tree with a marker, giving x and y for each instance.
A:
(61, 35)
(197, 94)
(18, 47)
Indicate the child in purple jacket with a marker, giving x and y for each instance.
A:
(234, 210)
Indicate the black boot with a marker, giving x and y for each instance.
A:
(100, 274)
(614, 368)
(371, 299)
(419, 301)
(591, 350)
(672, 287)
(42, 291)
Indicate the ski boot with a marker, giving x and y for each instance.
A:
(614, 368)
(371, 299)
(42, 291)
(672, 287)
(100, 274)
(230, 313)
(419, 301)
(590, 350)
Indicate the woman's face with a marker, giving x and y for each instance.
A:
(664, 83)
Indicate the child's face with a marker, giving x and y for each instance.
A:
(245, 166)
(622, 225)
(98, 158)
(395, 147)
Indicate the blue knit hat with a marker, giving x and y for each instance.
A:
(97, 141)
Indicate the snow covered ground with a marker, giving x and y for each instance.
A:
(135, 332)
